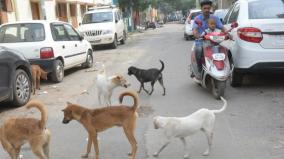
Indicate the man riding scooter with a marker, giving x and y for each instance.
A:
(198, 30)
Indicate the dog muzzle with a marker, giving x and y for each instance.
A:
(65, 121)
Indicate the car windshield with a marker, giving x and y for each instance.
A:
(260, 10)
(193, 15)
(98, 17)
(13, 33)
(220, 13)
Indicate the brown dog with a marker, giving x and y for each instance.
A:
(98, 120)
(37, 74)
(17, 131)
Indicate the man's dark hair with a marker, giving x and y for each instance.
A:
(205, 2)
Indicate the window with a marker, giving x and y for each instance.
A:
(59, 33)
(6, 5)
(99, 17)
(73, 35)
(234, 15)
(22, 33)
(260, 9)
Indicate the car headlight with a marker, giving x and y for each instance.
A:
(107, 32)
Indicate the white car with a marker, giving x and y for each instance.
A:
(54, 45)
(188, 34)
(103, 25)
(258, 41)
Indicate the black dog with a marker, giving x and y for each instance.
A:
(150, 75)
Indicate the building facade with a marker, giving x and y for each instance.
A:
(65, 10)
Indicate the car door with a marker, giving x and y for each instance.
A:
(62, 44)
(118, 25)
(77, 45)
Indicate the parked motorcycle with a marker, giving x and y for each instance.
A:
(216, 68)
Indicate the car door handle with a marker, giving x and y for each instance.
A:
(63, 46)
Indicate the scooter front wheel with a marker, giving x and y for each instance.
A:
(218, 88)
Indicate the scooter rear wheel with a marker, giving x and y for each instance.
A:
(218, 88)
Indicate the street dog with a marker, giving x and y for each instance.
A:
(17, 131)
(106, 85)
(151, 75)
(98, 120)
(37, 74)
(181, 127)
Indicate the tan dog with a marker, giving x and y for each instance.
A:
(98, 120)
(17, 131)
(37, 74)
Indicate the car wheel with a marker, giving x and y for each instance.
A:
(236, 79)
(22, 88)
(58, 71)
(89, 60)
(114, 43)
(123, 40)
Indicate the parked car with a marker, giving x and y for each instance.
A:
(188, 34)
(104, 25)
(54, 45)
(16, 78)
(258, 42)
(221, 13)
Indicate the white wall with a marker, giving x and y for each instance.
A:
(23, 10)
(50, 10)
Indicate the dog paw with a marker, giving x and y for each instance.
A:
(155, 154)
(186, 156)
(129, 154)
(85, 156)
(206, 153)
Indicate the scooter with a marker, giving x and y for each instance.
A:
(216, 68)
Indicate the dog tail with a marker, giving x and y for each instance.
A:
(223, 108)
(163, 66)
(41, 108)
(133, 94)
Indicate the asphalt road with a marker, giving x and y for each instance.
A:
(252, 127)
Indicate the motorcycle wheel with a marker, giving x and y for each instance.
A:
(218, 88)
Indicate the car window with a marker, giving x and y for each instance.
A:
(227, 15)
(98, 17)
(14, 33)
(59, 33)
(234, 15)
(260, 10)
(73, 35)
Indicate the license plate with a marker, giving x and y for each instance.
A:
(218, 56)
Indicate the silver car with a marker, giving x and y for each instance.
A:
(257, 44)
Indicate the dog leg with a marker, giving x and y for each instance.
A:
(129, 132)
(185, 147)
(209, 136)
(10, 149)
(99, 98)
(140, 88)
(145, 89)
(89, 145)
(162, 84)
(156, 154)
(96, 145)
(152, 84)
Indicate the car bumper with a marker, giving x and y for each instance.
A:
(46, 64)
(100, 40)
(188, 33)
(254, 57)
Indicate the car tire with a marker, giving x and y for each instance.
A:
(236, 79)
(114, 43)
(22, 88)
(89, 60)
(123, 40)
(57, 72)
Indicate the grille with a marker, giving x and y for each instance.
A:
(93, 33)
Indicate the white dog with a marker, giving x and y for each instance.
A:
(105, 86)
(175, 127)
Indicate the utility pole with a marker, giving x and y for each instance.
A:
(42, 9)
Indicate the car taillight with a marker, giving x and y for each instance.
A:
(46, 53)
(250, 34)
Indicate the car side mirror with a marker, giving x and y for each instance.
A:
(222, 20)
(81, 37)
(80, 24)
(116, 21)
(234, 25)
